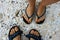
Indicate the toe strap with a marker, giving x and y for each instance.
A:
(14, 35)
(42, 14)
(33, 36)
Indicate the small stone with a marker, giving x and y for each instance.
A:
(0, 25)
(12, 1)
(59, 14)
(1, 16)
(50, 37)
(16, 2)
(17, 12)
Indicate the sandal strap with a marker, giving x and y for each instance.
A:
(24, 11)
(42, 14)
(27, 14)
(14, 35)
(33, 36)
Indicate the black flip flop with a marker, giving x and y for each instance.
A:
(27, 16)
(41, 16)
(34, 36)
(19, 32)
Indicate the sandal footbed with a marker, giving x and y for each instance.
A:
(41, 22)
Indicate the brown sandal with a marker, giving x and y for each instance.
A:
(27, 16)
(41, 16)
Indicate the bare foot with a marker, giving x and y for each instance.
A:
(29, 11)
(13, 30)
(40, 12)
(34, 33)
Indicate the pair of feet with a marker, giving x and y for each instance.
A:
(15, 34)
(29, 12)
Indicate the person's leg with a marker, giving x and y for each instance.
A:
(29, 10)
(47, 2)
(41, 8)
(31, 7)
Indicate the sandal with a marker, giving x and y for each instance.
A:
(41, 16)
(19, 32)
(34, 36)
(27, 16)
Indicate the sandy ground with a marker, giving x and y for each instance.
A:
(50, 29)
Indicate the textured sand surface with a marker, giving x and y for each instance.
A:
(50, 29)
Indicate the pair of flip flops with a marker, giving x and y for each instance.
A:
(19, 32)
(36, 16)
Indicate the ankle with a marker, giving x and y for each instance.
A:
(32, 4)
(42, 4)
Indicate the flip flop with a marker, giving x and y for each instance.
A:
(19, 32)
(27, 16)
(33, 36)
(41, 16)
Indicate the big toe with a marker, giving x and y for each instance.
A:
(12, 31)
(16, 29)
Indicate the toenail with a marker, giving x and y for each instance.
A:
(32, 32)
(16, 29)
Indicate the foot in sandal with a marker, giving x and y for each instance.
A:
(28, 16)
(40, 15)
(34, 35)
(15, 33)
